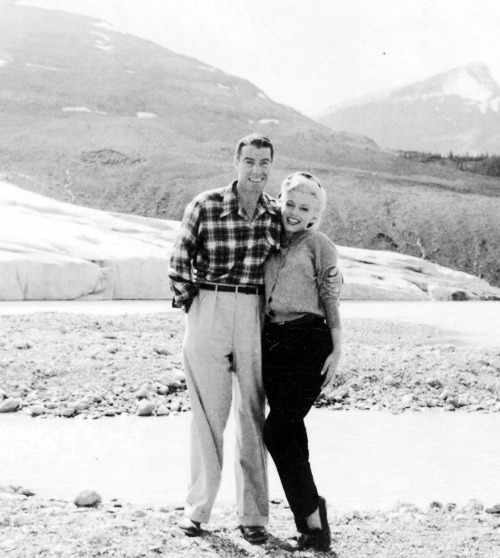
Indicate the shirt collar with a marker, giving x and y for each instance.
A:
(230, 202)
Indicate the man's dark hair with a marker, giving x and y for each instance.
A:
(254, 139)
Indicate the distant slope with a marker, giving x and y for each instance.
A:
(457, 111)
(82, 105)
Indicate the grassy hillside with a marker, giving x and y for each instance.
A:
(107, 120)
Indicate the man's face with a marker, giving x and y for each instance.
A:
(254, 168)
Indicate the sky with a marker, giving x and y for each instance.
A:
(311, 54)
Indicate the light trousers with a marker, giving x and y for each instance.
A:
(222, 361)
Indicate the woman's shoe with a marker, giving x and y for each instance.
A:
(319, 539)
(301, 525)
(189, 527)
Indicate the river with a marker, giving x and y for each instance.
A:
(361, 460)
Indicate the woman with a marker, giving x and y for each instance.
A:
(301, 346)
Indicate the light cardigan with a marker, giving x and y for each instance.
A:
(303, 278)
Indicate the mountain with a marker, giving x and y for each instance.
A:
(456, 111)
(92, 114)
(102, 119)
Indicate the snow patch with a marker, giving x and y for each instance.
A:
(100, 45)
(51, 250)
(102, 35)
(146, 115)
(464, 85)
(3, 62)
(262, 95)
(41, 67)
(105, 25)
(207, 68)
(76, 109)
(223, 86)
(269, 121)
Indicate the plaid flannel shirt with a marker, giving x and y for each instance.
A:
(217, 243)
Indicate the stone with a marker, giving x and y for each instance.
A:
(145, 408)
(474, 506)
(82, 405)
(495, 363)
(407, 400)
(37, 410)
(391, 381)
(494, 509)
(143, 392)
(434, 382)
(88, 499)
(162, 411)
(10, 405)
(22, 519)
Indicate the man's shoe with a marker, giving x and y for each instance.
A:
(189, 527)
(254, 534)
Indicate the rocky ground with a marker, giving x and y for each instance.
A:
(58, 364)
(33, 528)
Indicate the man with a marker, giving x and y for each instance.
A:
(216, 276)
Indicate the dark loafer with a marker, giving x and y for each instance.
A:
(255, 534)
(319, 539)
(189, 527)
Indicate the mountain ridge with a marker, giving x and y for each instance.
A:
(456, 110)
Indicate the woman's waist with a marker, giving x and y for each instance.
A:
(294, 321)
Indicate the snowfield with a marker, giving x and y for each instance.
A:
(50, 250)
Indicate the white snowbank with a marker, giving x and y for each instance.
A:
(51, 250)
(56, 251)
(269, 121)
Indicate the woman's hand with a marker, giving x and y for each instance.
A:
(330, 369)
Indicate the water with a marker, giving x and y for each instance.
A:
(361, 460)
(475, 322)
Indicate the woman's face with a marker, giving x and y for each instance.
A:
(299, 210)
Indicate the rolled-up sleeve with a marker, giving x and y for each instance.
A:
(181, 260)
(329, 282)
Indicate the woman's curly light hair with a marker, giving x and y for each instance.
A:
(308, 183)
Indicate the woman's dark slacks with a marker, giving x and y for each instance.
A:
(293, 355)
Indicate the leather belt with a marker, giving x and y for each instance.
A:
(243, 289)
